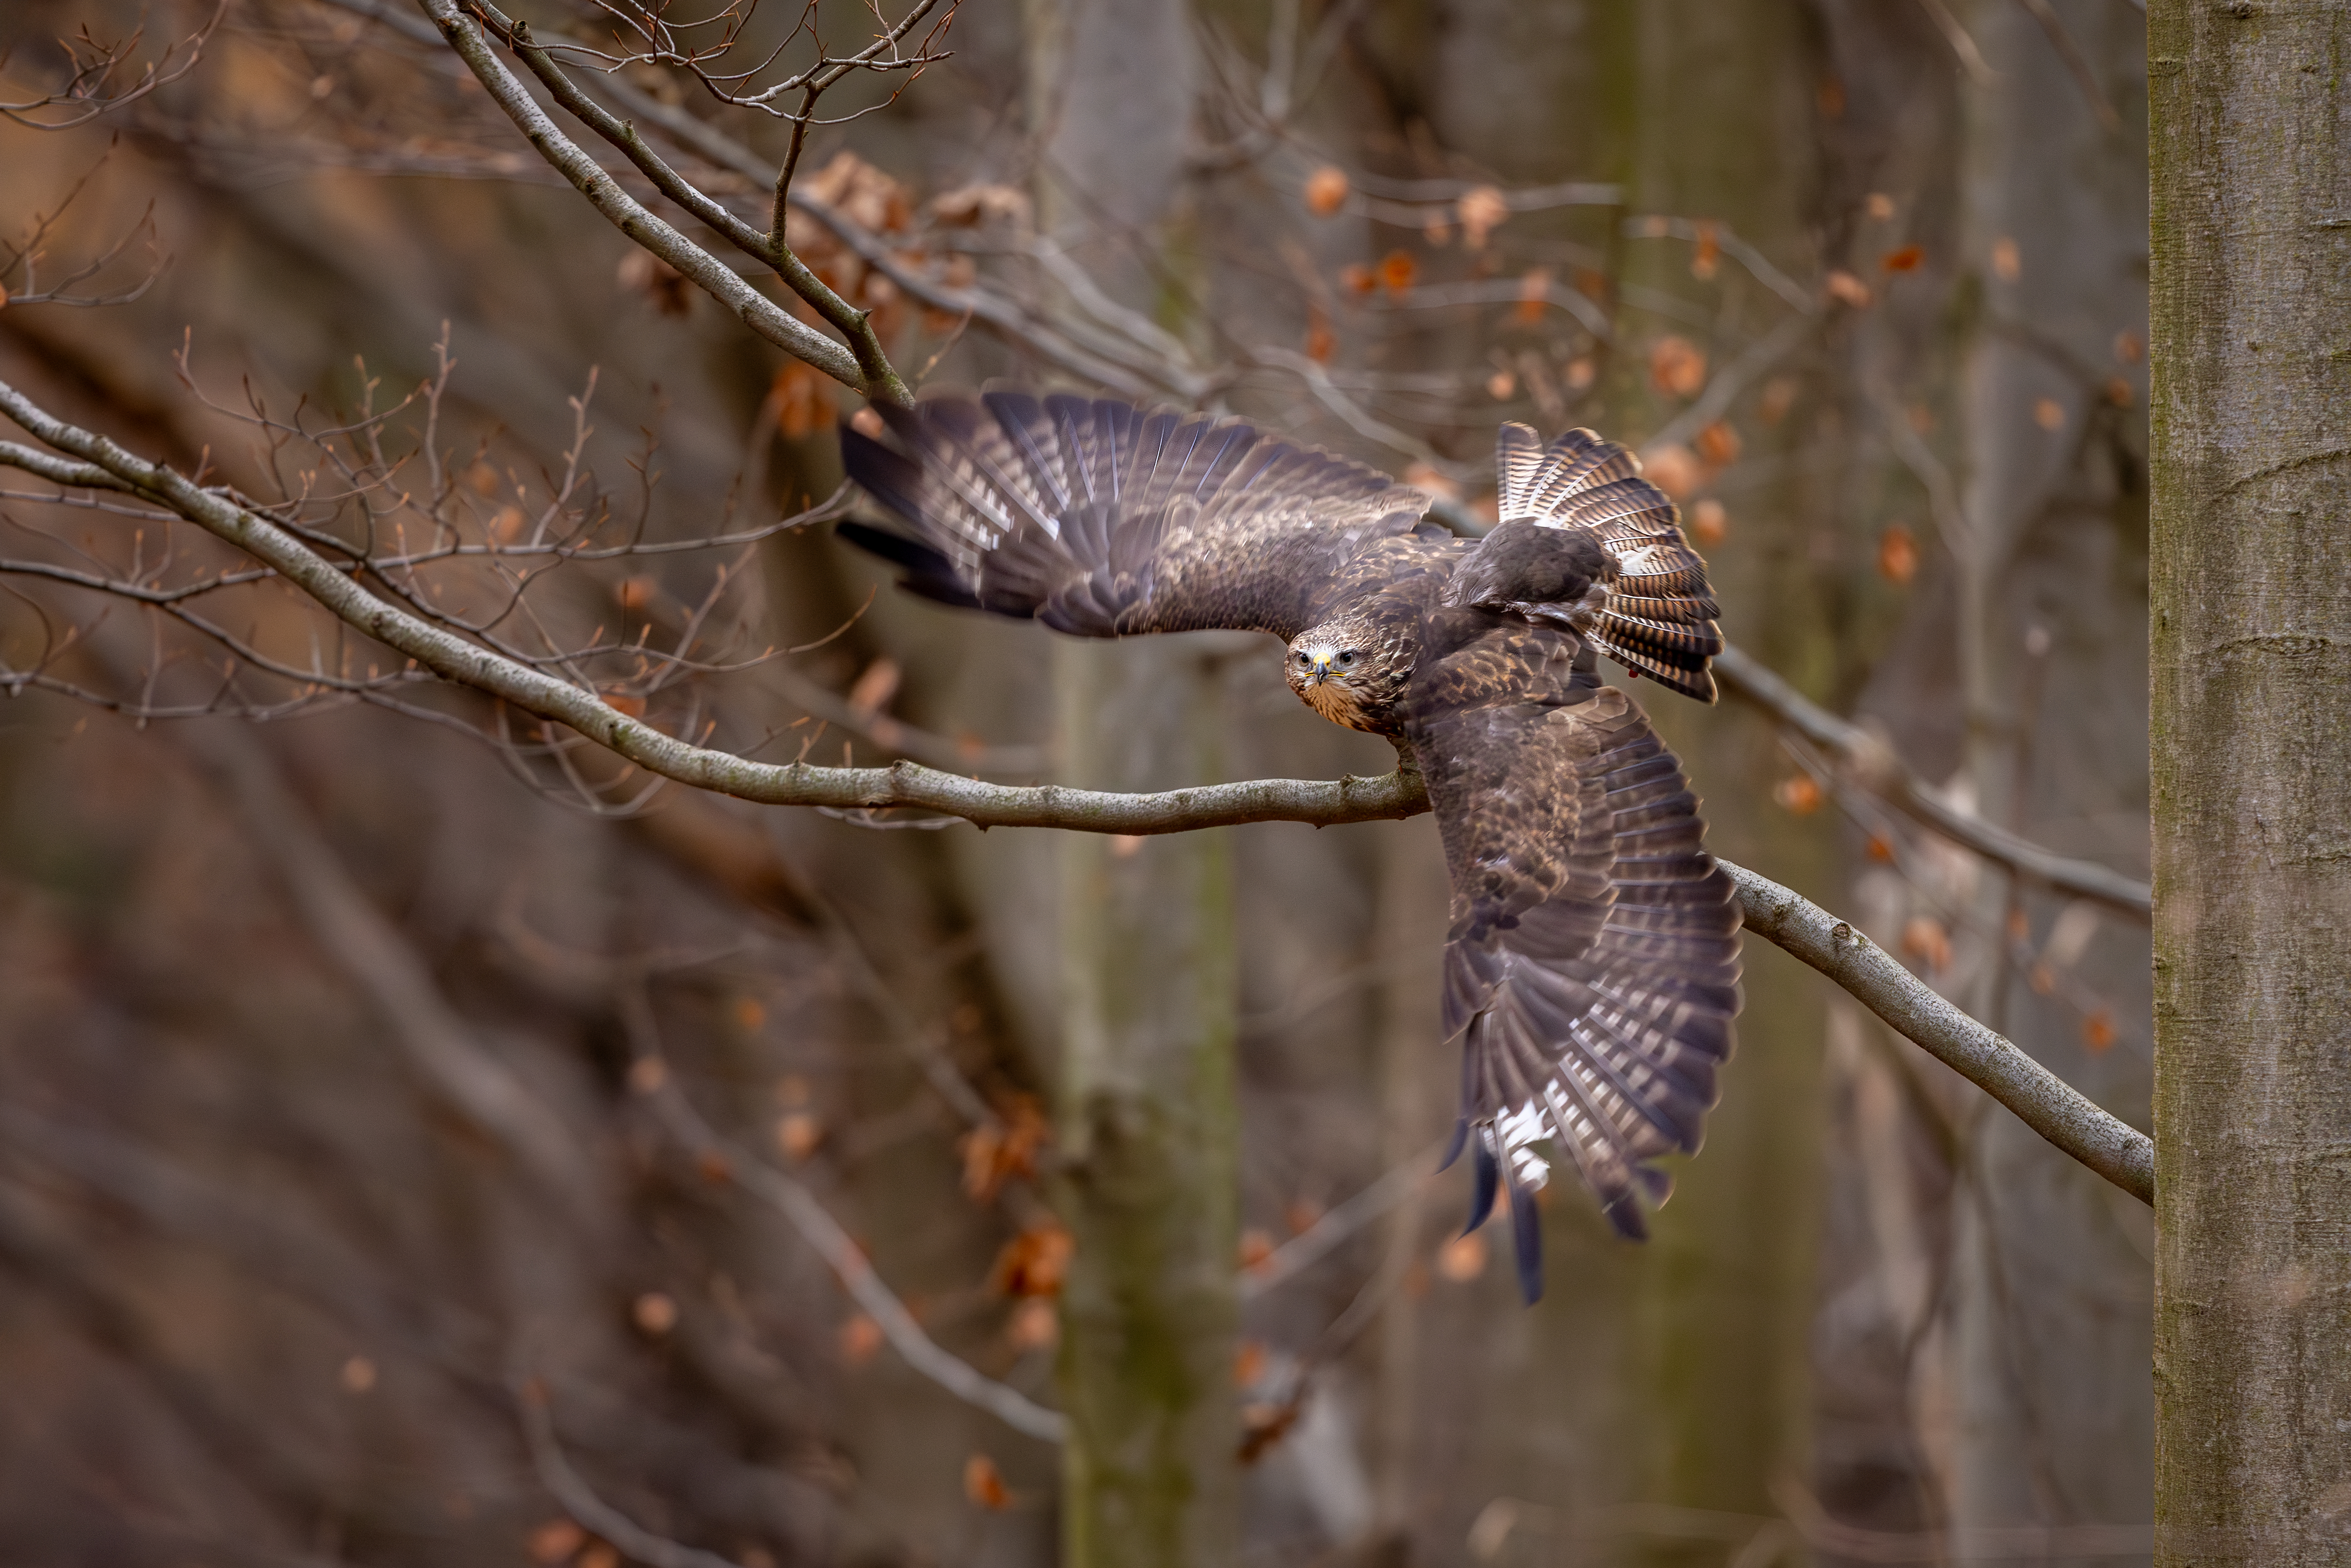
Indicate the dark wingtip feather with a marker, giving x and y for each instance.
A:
(894, 547)
(1526, 1236)
(1460, 1140)
(1489, 1176)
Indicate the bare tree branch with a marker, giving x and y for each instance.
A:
(1873, 765)
(2053, 1109)
(2041, 1100)
(632, 218)
(847, 1261)
(624, 1534)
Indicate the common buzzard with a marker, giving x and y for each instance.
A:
(1591, 969)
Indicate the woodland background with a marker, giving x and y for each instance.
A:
(1865, 278)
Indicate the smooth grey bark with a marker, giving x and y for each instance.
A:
(2251, 129)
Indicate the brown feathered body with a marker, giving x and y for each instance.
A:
(1590, 969)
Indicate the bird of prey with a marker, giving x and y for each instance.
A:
(1591, 971)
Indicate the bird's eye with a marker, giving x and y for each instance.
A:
(1304, 660)
(1348, 657)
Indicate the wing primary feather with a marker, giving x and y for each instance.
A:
(1526, 1238)
(1487, 1173)
(1461, 1139)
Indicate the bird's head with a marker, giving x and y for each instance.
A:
(1339, 669)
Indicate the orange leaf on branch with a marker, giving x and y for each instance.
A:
(1534, 293)
(1898, 555)
(1906, 259)
(1481, 212)
(1035, 1262)
(1677, 366)
(1326, 191)
(1709, 522)
(1799, 795)
(1719, 444)
(983, 1483)
(1397, 270)
(1705, 256)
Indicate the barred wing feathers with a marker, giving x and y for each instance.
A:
(1104, 519)
(1659, 615)
(1591, 969)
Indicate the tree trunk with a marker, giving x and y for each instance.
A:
(2251, 655)
(1728, 1283)
(1145, 1112)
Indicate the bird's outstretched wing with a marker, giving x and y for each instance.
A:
(1659, 618)
(1104, 519)
(1592, 969)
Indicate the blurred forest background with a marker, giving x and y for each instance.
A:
(403, 1163)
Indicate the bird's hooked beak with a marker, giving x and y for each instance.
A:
(1321, 670)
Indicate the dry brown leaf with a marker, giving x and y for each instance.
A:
(1534, 293)
(1923, 938)
(798, 1133)
(1709, 522)
(2007, 261)
(992, 1154)
(662, 286)
(2098, 1032)
(1326, 190)
(1302, 1214)
(1248, 1363)
(861, 1337)
(655, 1313)
(1034, 1325)
(1906, 259)
(802, 396)
(1355, 277)
(1705, 256)
(1035, 1262)
(600, 1555)
(1500, 385)
(1256, 1247)
(2049, 414)
(1677, 366)
(358, 1375)
(983, 1483)
(1879, 204)
(2128, 349)
(1397, 270)
(874, 688)
(1321, 342)
(1829, 98)
(1799, 795)
(647, 1074)
(2119, 392)
(1897, 556)
(1463, 1259)
(1582, 373)
(1848, 290)
(1880, 848)
(1673, 468)
(1481, 212)
(1779, 397)
(554, 1541)
(1719, 444)
(972, 205)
